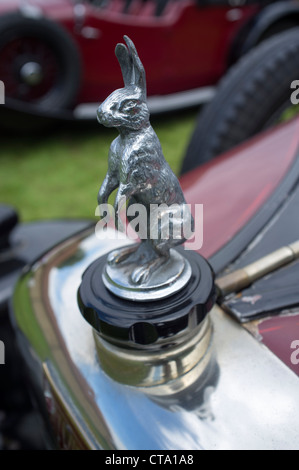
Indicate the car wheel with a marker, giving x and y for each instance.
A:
(251, 97)
(39, 63)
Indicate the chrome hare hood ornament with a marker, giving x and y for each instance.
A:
(150, 295)
(152, 268)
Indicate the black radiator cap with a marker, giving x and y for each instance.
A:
(119, 320)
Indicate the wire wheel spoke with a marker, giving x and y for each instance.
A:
(20, 59)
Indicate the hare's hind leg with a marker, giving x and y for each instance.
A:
(142, 274)
(170, 226)
(175, 236)
(121, 255)
(139, 253)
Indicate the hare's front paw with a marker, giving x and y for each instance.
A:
(102, 197)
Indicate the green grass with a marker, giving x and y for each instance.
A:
(58, 173)
(289, 113)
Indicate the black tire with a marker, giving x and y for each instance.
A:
(52, 52)
(250, 98)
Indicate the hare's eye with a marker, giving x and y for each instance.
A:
(127, 105)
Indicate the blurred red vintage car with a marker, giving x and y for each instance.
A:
(58, 54)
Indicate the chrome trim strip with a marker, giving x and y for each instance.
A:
(157, 104)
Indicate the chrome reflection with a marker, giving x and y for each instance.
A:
(163, 371)
(245, 399)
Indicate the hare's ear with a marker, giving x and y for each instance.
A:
(138, 76)
(125, 62)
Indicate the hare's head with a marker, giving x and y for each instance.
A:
(126, 107)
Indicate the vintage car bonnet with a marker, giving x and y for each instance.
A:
(196, 368)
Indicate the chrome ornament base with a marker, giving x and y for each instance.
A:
(167, 280)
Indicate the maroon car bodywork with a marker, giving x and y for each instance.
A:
(247, 177)
(185, 48)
